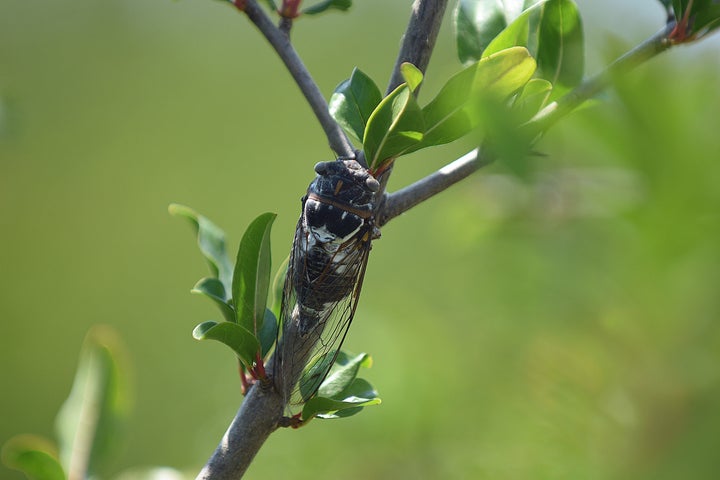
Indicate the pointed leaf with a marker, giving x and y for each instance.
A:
(394, 126)
(34, 456)
(359, 394)
(533, 97)
(211, 240)
(476, 24)
(353, 102)
(88, 424)
(342, 374)
(412, 75)
(279, 286)
(560, 55)
(251, 280)
(453, 112)
(326, 5)
(517, 33)
(703, 17)
(239, 339)
(215, 291)
(268, 333)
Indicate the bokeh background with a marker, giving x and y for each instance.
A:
(558, 324)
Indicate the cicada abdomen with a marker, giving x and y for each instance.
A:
(327, 263)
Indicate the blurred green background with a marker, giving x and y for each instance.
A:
(562, 325)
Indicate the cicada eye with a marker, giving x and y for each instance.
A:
(372, 184)
(320, 168)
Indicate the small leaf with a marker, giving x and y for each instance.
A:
(239, 339)
(560, 55)
(279, 286)
(412, 75)
(517, 33)
(215, 291)
(342, 374)
(89, 421)
(268, 334)
(703, 17)
(394, 126)
(476, 24)
(34, 456)
(359, 394)
(353, 102)
(211, 240)
(251, 280)
(533, 97)
(313, 373)
(324, 5)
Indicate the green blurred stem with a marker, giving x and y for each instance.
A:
(280, 41)
(403, 200)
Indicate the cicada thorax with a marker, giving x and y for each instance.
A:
(325, 273)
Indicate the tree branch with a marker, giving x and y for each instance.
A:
(419, 38)
(281, 43)
(403, 200)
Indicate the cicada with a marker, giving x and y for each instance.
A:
(325, 274)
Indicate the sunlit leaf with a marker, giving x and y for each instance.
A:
(342, 373)
(560, 54)
(394, 126)
(211, 240)
(517, 33)
(89, 422)
(239, 339)
(353, 102)
(213, 289)
(251, 280)
(268, 333)
(34, 456)
(359, 394)
(412, 75)
(327, 5)
(532, 98)
(278, 286)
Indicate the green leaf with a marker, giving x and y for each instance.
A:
(359, 394)
(90, 420)
(320, 7)
(211, 240)
(517, 33)
(251, 280)
(476, 24)
(279, 286)
(342, 373)
(271, 5)
(215, 291)
(394, 126)
(353, 102)
(239, 339)
(560, 55)
(412, 75)
(34, 456)
(454, 111)
(533, 97)
(704, 16)
(312, 375)
(268, 334)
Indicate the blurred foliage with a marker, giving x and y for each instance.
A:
(560, 326)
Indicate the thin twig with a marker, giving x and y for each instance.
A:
(401, 201)
(281, 43)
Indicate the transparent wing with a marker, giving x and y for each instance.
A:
(319, 301)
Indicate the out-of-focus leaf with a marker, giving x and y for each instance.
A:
(517, 33)
(89, 422)
(34, 456)
(412, 75)
(359, 394)
(324, 5)
(251, 280)
(394, 126)
(560, 54)
(152, 473)
(476, 24)
(239, 339)
(352, 103)
(215, 291)
(703, 17)
(532, 98)
(211, 240)
(278, 286)
(342, 373)
(271, 5)
(453, 112)
(268, 334)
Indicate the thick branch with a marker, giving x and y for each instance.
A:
(281, 43)
(403, 200)
(257, 418)
(419, 38)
